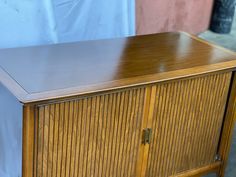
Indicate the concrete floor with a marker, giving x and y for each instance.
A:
(227, 41)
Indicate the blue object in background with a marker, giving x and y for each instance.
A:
(37, 22)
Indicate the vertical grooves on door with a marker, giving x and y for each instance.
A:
(186, 124)
(96, 136)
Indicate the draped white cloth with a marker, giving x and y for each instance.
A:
(26, 23)
(10, 135)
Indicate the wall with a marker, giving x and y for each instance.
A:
(154, 16)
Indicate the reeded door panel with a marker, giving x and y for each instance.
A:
(98, 136)
(186, 124)
(103, 136)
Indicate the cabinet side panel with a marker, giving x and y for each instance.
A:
(228, 128)
(186, 124)
(10, 135)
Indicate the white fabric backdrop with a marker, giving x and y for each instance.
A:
(36, 22)
(10, 135)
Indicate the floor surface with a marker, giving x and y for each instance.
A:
(227, 41)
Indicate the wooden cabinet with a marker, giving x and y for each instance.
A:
(144, 106)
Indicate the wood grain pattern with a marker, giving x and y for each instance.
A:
(213, 168)
(101, 134)
(148, 116)
(95, 136)
(28, 141)
(62, 70)
(186, 124)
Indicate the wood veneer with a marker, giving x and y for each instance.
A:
(193, 110)
(88, 106)
(94, 136)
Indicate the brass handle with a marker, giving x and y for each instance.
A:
(147, 134)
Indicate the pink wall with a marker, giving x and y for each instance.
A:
(154, 16)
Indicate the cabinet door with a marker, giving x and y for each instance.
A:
(96, 136)
(186, 123)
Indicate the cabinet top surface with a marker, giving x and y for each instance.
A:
(52, 71)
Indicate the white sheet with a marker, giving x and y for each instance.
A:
(26, 23)
(10, 135)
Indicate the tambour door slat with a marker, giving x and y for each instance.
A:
(186, 123)
(98, 135)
